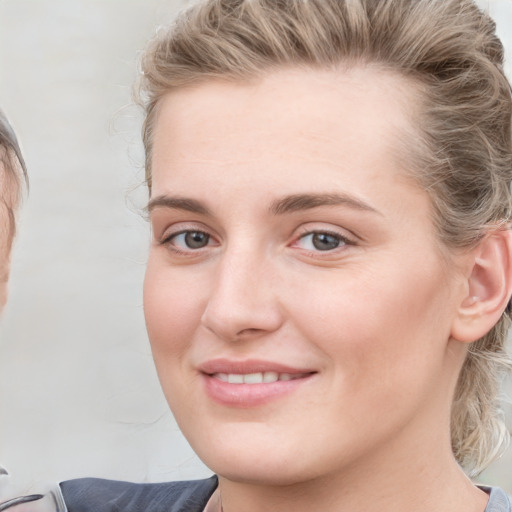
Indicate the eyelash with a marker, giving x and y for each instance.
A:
(342, 240)
(167, 241)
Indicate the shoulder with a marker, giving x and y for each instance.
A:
(498, 500)
(98, 495)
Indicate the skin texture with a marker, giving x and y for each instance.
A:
(372, 318)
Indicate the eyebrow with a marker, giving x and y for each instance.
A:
(177, 203)
(288, 204)
(299, 202)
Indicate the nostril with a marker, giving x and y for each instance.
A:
(247, 332)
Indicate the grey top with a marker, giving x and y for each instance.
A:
(498, 500)
(97, 495)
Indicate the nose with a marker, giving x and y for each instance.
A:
(243, 301)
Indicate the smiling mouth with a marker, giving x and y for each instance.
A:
(259, 377)
(249, 384)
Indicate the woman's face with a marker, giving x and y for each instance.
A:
(298, 306)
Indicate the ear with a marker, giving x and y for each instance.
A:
(488, 287)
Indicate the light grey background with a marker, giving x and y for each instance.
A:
(78, 391)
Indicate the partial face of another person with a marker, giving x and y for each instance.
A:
(7, 193)
(12, 171)
(297, 300)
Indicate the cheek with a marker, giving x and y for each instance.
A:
(378, 326)
(173, 310)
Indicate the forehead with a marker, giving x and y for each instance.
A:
(270, 114)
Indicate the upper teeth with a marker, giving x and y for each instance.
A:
(255, 378)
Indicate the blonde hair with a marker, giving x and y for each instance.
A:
(463, 148)
(13, 173)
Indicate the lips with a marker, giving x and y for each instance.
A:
(250, 383)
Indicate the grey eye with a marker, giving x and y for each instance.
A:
(325, 241)
(195, 239)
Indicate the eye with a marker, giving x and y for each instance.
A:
(189, 240)
(321, 241)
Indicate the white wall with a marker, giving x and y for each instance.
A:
(78, 392)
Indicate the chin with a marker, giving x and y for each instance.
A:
(262, 463)
(258, 473)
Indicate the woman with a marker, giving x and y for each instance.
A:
(327, 286)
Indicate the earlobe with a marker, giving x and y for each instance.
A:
(489, 287)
